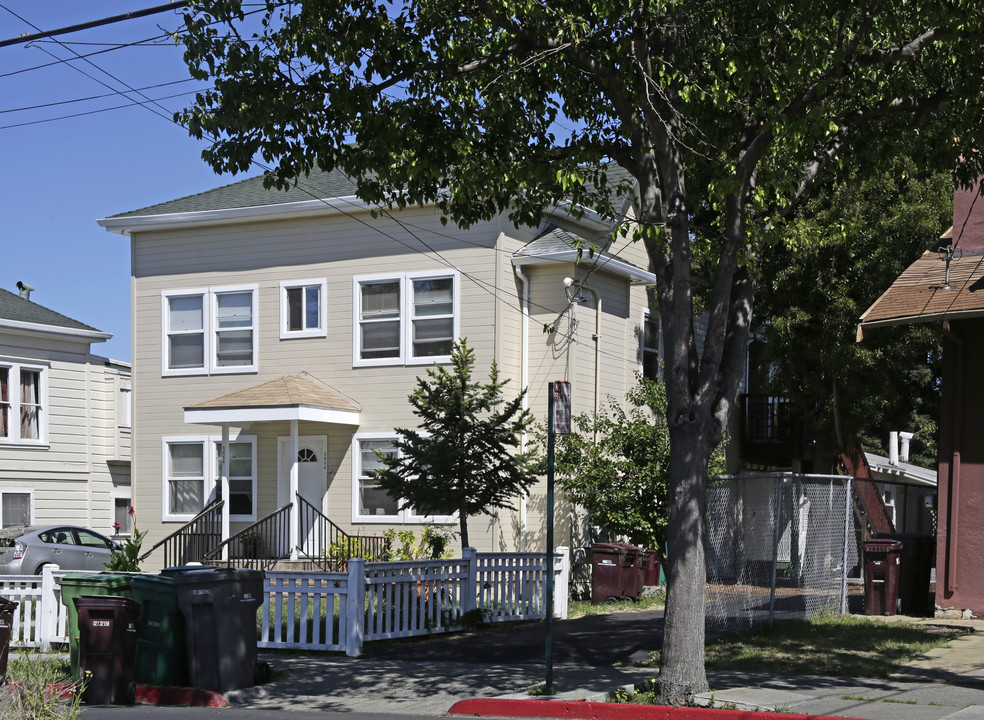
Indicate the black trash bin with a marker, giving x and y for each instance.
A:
(915, 571)
(219, 608)
(881, 576)
(7, 608)
(108, 648)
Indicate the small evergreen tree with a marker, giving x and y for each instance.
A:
(463, 457)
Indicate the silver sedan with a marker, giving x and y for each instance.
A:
(25, 550)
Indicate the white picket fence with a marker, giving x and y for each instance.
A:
(40, 618)
(342, 610)
(382, 600)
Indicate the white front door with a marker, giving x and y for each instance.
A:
(312, 483)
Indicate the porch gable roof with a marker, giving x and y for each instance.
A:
(287, 398)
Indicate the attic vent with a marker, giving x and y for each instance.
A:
(25, 289)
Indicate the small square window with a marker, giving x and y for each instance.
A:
(303, 308)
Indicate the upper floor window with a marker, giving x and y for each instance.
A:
(209, 330)
(407, 318)
(650, 345)
(23, 404)
(303, 307)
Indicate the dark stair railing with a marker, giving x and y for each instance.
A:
(328, 546)
(192, 542)
(260, 544)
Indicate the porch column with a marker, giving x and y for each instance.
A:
(295, 509)
(224, 481)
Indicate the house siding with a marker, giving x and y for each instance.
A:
(72, 476)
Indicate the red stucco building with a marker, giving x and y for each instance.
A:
(932, 290)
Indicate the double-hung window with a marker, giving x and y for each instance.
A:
(192, 476)
(370, 503)
(209, 331)
(303, 306)
(23, 404)
(405, 319)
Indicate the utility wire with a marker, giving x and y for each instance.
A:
(92, 97)
(39, 34)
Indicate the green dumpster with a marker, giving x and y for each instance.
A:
(161, 653)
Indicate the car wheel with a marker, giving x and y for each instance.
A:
(40, 568)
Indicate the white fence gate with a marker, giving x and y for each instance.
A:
(383, 600)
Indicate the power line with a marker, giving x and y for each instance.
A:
(91, 23)
(133, 103)
(92, 97)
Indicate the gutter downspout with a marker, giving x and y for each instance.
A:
(524, 379)
(597, 355)
(954, 490)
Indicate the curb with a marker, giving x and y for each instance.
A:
(191, 697)
(573, 710)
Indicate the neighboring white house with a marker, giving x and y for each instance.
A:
(908, 491)
(290, 327)
(64, 421)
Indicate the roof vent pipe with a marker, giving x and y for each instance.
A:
(25, 289)
(893, 448)
(905, 437)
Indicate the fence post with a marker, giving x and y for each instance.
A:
(355, 604)
(562, 571)
(47, 621)
(469, 599)
(777, 530)
(847, 534)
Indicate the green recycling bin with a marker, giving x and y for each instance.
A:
(161, 651)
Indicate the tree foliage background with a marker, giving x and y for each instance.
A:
(848, 246)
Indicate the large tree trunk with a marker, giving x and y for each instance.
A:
(681, 672)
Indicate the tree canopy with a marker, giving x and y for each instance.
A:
(846, 248)
(724, 113)
(463, 457)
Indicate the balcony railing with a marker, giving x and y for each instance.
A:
(767, 436)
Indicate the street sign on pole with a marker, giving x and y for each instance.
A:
(561, 407)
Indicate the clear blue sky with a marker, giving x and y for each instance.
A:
(59, 177)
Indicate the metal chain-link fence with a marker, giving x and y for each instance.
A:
(786, 546)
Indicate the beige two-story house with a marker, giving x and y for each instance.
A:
(277, 335)
(64, 421)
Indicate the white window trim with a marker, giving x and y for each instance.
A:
(322, 329)
(115, 495)
(124, 401)
(406, 316)
(13, 390)
(403, 517)
(20, 491)
(210, 469)
(405, 355)
(254, 328)
(166, 295)
(209, 305)
(216, 473)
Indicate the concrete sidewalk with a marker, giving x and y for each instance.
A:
(946, 683)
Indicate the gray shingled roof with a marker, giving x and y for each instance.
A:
(251, 193)
(555, 240)
(14, 307)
